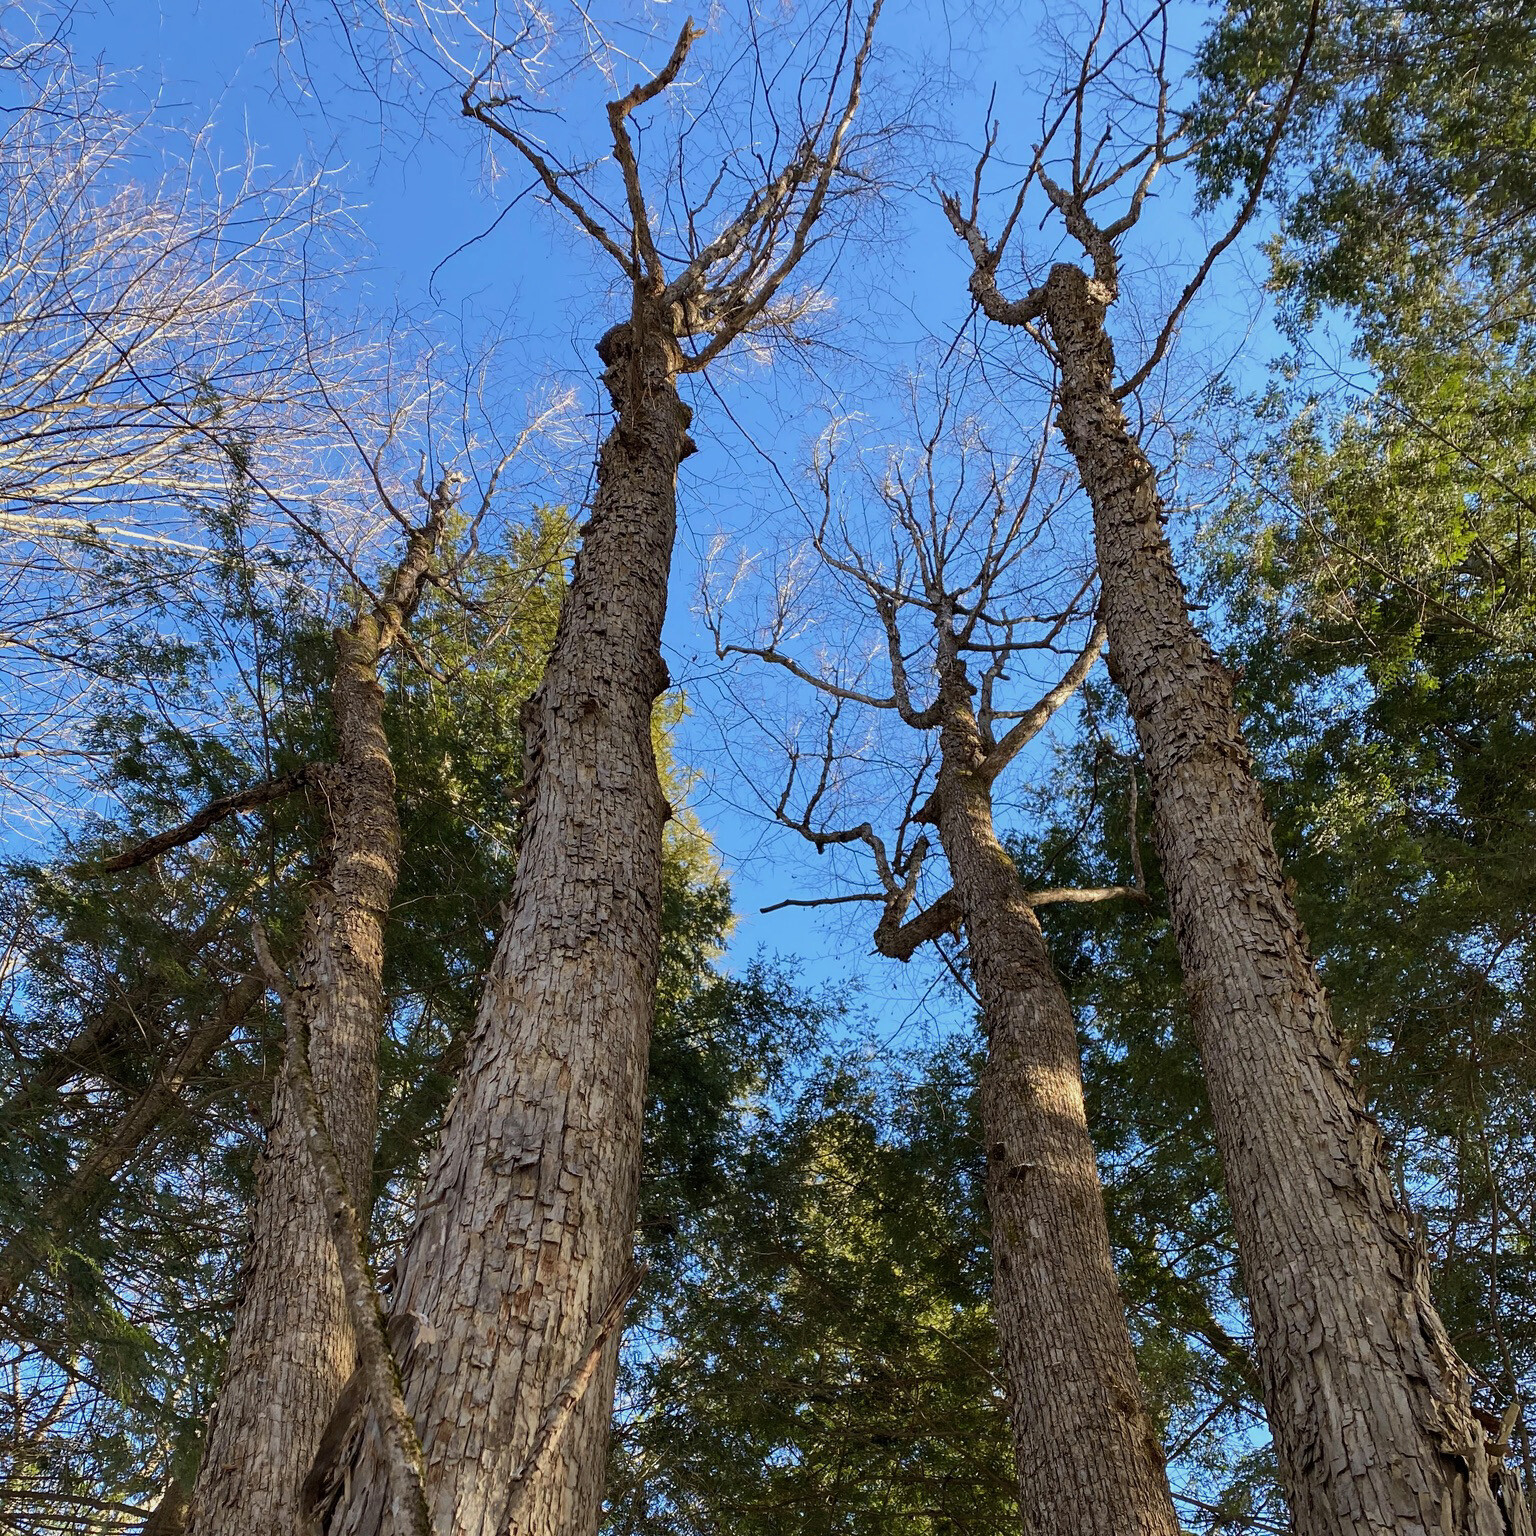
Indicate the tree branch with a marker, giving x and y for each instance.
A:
(624, 149)
(823, 901)
(983, 281)
(1033, 721)
(741, 316)
(779, 659)
(484, 113)
(103, 1162)
(210, 815)
(1087, 895)
(565, 1402)
(900, 941)
(1240, 222)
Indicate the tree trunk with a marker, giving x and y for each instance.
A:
(507, 1295)
(291, 1349)
(1367, 1400)
(169, 1516)
(1088, 1458)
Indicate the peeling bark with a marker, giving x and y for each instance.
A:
(1368, 1401)
(1086, 1452)
(524, 1230)
(292, 1347)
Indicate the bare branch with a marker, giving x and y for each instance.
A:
(211, 814)
(984, 261)
(484, 113)
(740, 317)
(1034, 720)
(1243, 216)
(1070, 896)
(901, 940)
(821, 684)
(566, 1401)
(624, 149)
(823, 901)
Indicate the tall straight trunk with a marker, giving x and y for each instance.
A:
(506, 1299)
(292, 1347)
(1367, 1400)
(1088, 1458)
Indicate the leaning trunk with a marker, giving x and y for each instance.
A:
(506, 1302)
(291, 1347)
(1088, 1458)
(1367, 1400)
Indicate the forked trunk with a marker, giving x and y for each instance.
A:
(507, 1297)
(291, 1347)
(1367, 1400)
(1088, 1458)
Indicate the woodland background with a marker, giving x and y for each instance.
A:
(261, 286)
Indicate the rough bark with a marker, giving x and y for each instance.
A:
(523, 1233)
(1367, 1400)
(292, 1347)
(169, 1516)
(1087, 1455)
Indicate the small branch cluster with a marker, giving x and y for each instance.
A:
(953, 593)
(1162, 139)
(706, 289)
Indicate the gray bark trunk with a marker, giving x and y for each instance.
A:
(504, 1304)
(1088, 1458)
(292, 1347)
(1367, 1400)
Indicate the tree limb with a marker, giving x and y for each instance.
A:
(1033, 721)
(210, 815)
(1240, 222)
(1082, 897)
(624, 149)
(823, 901)
(565, 1402)
(900, 941)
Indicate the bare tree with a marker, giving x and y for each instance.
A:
(507, 1298)
(958, 596)
(163, 334)
(1367, 1399)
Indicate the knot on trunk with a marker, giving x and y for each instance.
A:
(661, 678)
(640, 364)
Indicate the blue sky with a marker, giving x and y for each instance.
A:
(427, 207)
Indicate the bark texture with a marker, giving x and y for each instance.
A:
(292, 1347)
(1367, 1400)
(169, 1516)
(502, 1303)
(1088, 1458)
